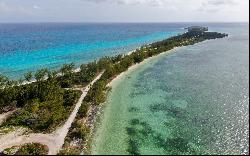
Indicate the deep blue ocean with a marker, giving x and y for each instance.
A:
(28, 47)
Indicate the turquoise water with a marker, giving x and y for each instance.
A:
(28, 47)
(194, 100)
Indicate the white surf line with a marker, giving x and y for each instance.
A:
(77, 70)
(55, 140)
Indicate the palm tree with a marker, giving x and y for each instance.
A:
(40, 74)
(28, 76)
(67, 69)
(3, 81)
(51, 74)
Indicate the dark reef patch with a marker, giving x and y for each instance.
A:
(158, 107)
(133, 147)
(140, 132)
(175, 145)
(169, 110)
(134, 122)
(167, 124)
(145, 130)
(177, 112)
(133, 109)
(131, 131)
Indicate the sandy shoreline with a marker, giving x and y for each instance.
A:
(135, 66)
(76, 70)
(111, 84)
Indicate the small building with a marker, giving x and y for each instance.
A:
(197, 29)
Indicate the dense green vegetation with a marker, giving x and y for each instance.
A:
(44, 116)
(46, 102)
(32, 149)
(78, 133)
(27, 149)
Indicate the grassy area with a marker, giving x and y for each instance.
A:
(44, 116)
(27, 149)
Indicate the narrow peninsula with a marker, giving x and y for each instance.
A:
(42, 107)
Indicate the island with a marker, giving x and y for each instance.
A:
(52, 112)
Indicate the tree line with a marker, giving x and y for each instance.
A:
(45, 102)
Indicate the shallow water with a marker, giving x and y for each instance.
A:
(192, 101)
(28, 47)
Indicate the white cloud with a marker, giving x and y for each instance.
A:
(36, 7)
(220, 2)
(131, 2)
(6, 8)
(167, 2)
(217, 5)
(138, 2)
(124, 10)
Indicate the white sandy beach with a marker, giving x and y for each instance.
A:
(136, 66)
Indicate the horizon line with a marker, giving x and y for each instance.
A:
(126, 22)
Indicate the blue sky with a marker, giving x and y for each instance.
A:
(124, 10)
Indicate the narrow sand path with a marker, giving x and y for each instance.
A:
(55, 140)
(4, 116)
